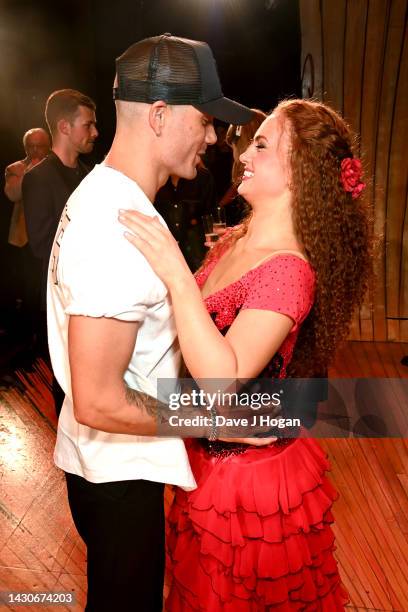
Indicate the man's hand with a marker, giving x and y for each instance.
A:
(13, 178)
(212, 407)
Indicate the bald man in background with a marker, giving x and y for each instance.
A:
(24, 271)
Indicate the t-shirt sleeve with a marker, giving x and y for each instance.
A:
(107, 277)
(283, 284)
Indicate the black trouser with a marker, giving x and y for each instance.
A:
(122, 525)
(42, 350)
(23, 272)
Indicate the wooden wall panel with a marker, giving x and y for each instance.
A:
(333, 37)
(311, 54)
(354, 47)
(383, 205)
(396, 209)
(375, 42)
(404, 277)
(362, 59)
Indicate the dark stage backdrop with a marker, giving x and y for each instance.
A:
(48, 45)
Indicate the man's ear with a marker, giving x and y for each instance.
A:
(63, 126)
(157, 116)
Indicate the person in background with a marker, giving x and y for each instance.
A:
(24, 271)
(182, 204)
(239, 137)
(274, 299)
(219, 159)
(70, 116)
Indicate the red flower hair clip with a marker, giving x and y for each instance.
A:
(351, 173)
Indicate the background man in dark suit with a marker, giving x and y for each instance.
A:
(70, 116)
(36, 144)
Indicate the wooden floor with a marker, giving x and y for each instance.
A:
(40, 549)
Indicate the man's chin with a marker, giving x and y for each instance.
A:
(87, 149)
(189, 174)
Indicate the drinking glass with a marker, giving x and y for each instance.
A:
(219, 221)
(211, 236)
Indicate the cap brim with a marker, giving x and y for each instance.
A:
(227, 110)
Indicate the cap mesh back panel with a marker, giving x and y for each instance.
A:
(166, 71)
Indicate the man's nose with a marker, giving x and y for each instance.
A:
(211, 136)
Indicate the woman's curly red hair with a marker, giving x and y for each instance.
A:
(334, 229)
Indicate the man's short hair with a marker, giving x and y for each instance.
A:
(63, 104)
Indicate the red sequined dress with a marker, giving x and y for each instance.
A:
(255, 535)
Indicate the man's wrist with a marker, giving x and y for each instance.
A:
(213, 435)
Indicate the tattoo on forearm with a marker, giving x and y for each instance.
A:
(149, 405)
(236, 421)
(160, 413)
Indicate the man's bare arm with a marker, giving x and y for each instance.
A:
(100, 350)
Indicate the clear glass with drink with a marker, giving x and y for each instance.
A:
(211, 236)
(219, 221)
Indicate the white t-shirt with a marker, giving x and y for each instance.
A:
(94, 271)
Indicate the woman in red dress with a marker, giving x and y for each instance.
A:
(274, 298)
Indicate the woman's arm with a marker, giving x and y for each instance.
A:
(249, 345)
(253, 338)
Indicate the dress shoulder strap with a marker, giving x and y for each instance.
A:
(281, 252)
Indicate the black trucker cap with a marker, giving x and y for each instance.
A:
(177, 71)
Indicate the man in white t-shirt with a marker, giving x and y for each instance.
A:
(110, 325)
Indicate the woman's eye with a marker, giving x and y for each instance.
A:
(259, 146)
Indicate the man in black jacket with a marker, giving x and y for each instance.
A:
(70, 116)
(182, 204)
(23, 266)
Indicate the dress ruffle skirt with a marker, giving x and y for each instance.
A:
(255, 535)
